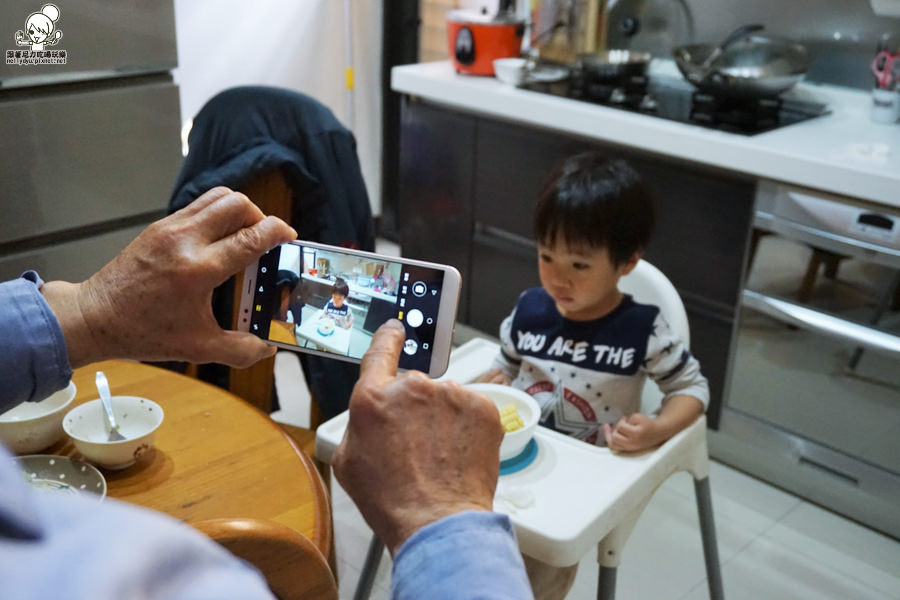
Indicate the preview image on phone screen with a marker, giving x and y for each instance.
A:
(333, 302)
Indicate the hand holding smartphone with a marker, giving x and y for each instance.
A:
(328, 301)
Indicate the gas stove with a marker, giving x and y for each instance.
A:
(678, 101)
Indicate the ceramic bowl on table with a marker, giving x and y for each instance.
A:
(514, 442)
(33, 426)
(137, 419)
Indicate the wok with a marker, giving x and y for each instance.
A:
(613, 65)
(755, 67)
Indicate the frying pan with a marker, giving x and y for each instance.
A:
(754, 67)
(613, 64)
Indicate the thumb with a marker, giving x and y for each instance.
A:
(238, 349)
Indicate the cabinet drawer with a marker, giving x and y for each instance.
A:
(512, 165)
(71, 261)
(703, 215)
(502, 268)
(86, 156)
(102, 39)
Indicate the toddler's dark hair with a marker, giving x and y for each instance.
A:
(340, 287)
(589, 199)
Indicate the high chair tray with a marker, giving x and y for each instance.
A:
(573, 494)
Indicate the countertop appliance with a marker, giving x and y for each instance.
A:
(91, 133)
(476, 38)
(814, 395)
(676, 100)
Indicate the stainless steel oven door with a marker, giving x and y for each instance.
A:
(814, 390)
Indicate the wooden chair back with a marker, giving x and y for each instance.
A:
(291, 564)
(255, 384)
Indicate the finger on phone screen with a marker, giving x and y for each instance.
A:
(382, 357)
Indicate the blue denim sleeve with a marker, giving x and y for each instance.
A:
(33, 358)
(468, 555)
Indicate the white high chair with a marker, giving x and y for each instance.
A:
(648, 284)
(570, 513)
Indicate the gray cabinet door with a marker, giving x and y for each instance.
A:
(101, 39)
(86, 156)
(71, 261)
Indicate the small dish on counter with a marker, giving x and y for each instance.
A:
(61, 475)
(510, 70)
(547, 74)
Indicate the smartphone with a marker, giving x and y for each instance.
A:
(328, 301)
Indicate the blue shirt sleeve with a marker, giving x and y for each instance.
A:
(468, 555)
(34, 362)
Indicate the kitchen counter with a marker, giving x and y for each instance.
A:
(842, 152)
(355, 288)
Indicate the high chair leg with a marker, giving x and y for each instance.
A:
(369, 570)
(606, 583)
(708, 535)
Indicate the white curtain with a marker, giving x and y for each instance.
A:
(298, 45)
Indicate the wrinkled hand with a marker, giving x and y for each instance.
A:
(493, 376)
(154, 300)
(415, 450)
(632, 433)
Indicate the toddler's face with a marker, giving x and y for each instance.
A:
(581, 280)
(337, 299)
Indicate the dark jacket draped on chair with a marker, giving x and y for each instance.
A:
(245, 132)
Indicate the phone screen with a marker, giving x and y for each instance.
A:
(331, 301)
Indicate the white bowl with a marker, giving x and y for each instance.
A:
(510, 70)
(502, 395)
(137, 418)
(33, 426)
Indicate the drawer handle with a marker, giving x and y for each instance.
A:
(820, 322)
(507, 236)
(837, 474)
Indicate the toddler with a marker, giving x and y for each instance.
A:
(581, 347)
(336, 308)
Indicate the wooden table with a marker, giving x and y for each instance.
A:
(215, 456)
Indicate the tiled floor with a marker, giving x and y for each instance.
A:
(772, 545)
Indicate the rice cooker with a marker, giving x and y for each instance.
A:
(476, 39)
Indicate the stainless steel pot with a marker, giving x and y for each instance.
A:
(613, 65)
(755, 67)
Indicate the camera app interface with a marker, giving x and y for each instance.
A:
(333, 302)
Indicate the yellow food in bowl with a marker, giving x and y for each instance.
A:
(510, 419)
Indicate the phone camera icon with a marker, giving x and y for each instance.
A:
(414, 317)
(419, 289)
(410, 346)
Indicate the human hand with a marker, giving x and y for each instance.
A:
(415, 450)
(153, 301)
(493, 376)
(632, 433)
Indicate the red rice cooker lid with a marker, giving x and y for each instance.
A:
(477, 17)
